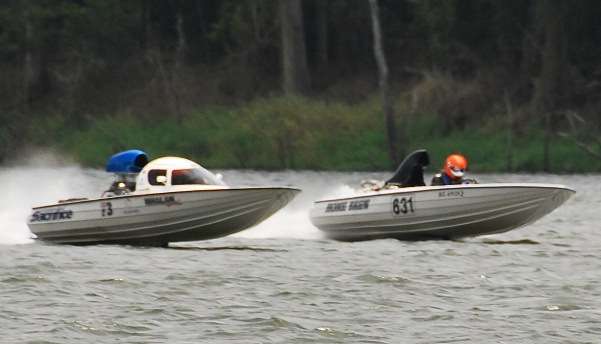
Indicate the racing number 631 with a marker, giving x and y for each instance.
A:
(402, 205)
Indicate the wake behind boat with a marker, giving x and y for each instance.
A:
(152, 204)
(404, 208)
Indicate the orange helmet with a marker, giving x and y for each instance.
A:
(455, 166)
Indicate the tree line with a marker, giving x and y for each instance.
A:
(534, 61)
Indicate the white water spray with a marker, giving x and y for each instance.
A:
(40, 180)
(293, 221)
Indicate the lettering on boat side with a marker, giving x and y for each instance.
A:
(352, 206)
(165, 200)
(334, 207)
(450, 193)
(53, 215)
(358, 205)
(106, 209)
(131, 211)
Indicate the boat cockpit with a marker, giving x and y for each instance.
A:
(133, 173)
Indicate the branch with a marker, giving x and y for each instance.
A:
(588, 149)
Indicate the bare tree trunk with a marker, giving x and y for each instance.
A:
(28, 68)
(549, 84)
(547, 143)
(166, 64)
(178, 63)
(322, 33)
(167, 82)
(387, 101)
(294, 56)
(509, 110)
(146, 39)
(182, 44)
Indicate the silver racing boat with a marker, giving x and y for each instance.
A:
(405, 208)
(152, 204)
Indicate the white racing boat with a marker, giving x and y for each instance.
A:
(404, 208)
(152, 204)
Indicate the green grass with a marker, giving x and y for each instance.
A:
(299, 133)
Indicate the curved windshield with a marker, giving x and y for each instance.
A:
(197, 176)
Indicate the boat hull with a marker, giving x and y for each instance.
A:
(159, 218)
(445, 212)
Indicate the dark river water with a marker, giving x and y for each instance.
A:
(282, 282)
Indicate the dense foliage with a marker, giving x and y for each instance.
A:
(528, 68)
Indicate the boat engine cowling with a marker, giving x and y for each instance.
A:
(130, 161)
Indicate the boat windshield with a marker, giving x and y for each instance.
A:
(196, 176)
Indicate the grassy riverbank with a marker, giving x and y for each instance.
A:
(297, 133)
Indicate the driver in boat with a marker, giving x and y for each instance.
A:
(453, 172)
(119, 187)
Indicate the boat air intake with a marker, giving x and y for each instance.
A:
(130, 161)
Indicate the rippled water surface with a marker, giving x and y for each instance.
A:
(281, 282)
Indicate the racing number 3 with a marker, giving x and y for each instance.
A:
(402, 205)
(107, 209)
